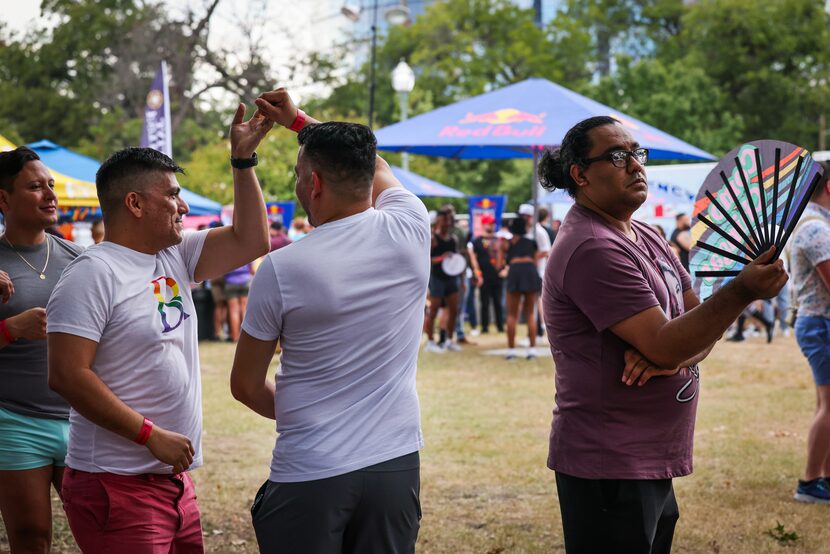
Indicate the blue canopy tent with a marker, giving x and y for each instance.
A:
(421, 186)
(518, 121)
(84, 168)
(515, 121)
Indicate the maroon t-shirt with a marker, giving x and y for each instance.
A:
(603, 429)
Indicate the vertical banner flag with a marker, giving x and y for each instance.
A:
(492, 205)
(156, 132)
(280, 211)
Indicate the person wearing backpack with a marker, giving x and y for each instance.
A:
(809, 256)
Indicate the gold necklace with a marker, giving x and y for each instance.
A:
(41, 272)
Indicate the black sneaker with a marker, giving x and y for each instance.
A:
(736, 338)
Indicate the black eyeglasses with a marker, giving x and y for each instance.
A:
(619, 158)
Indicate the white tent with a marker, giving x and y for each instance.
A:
(681, 180)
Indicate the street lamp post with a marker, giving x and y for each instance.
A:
(403, 81)
(372, 65)
(397, 13)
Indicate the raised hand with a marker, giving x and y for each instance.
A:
(171, 448)
(30, 325)
(246, 135)
(278, 107)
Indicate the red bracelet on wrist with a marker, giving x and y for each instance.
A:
(299, 121)
(4, 332)
(144, 434)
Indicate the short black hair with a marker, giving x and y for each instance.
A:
(555, 165)
(276, 225)
(344, 153)
(518, 226)
(11, 164)
(678, 216)
(125, 171)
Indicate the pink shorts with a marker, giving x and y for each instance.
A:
(132, 514)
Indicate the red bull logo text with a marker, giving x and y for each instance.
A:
(507, 122)
(504, 117)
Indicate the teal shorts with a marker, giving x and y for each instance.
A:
(31, 442)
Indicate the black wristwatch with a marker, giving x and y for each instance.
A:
(244, 163)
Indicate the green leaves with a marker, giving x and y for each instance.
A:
(676, 98)
(713, 72)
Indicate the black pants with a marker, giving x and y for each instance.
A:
(490, 292)
(373, 510)
(612, 516)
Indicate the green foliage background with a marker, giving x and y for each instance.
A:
(714, 73)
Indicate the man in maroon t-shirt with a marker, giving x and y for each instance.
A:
(626, 331)
(277, 236)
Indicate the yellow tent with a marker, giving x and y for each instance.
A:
(71, 192)
(6, 144)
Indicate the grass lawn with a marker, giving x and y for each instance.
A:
(485, 488)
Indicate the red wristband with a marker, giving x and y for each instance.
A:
(144, 434)
(299, 121)
(4, 331)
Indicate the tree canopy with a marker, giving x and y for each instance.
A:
(712, 72)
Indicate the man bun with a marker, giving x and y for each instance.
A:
(555, 166)
(551, 172)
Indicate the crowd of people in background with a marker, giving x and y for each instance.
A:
(226, 298)
(505, 269)
(486, 293)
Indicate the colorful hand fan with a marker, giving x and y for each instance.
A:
(735, 218)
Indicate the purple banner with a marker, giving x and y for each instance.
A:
(156, 132)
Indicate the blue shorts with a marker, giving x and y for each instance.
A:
(813, 335)
(30, 442)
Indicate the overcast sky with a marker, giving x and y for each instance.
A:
(17, 13)
(313, 24)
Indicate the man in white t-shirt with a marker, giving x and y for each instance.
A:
(346, 304)
(122, 347)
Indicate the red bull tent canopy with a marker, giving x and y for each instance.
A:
(514, 121)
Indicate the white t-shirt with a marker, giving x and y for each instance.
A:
(542, 244)
(139, 310)
(347, 303)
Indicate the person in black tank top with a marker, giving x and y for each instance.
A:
(443, 288)
(523, 285)
(440, 246)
